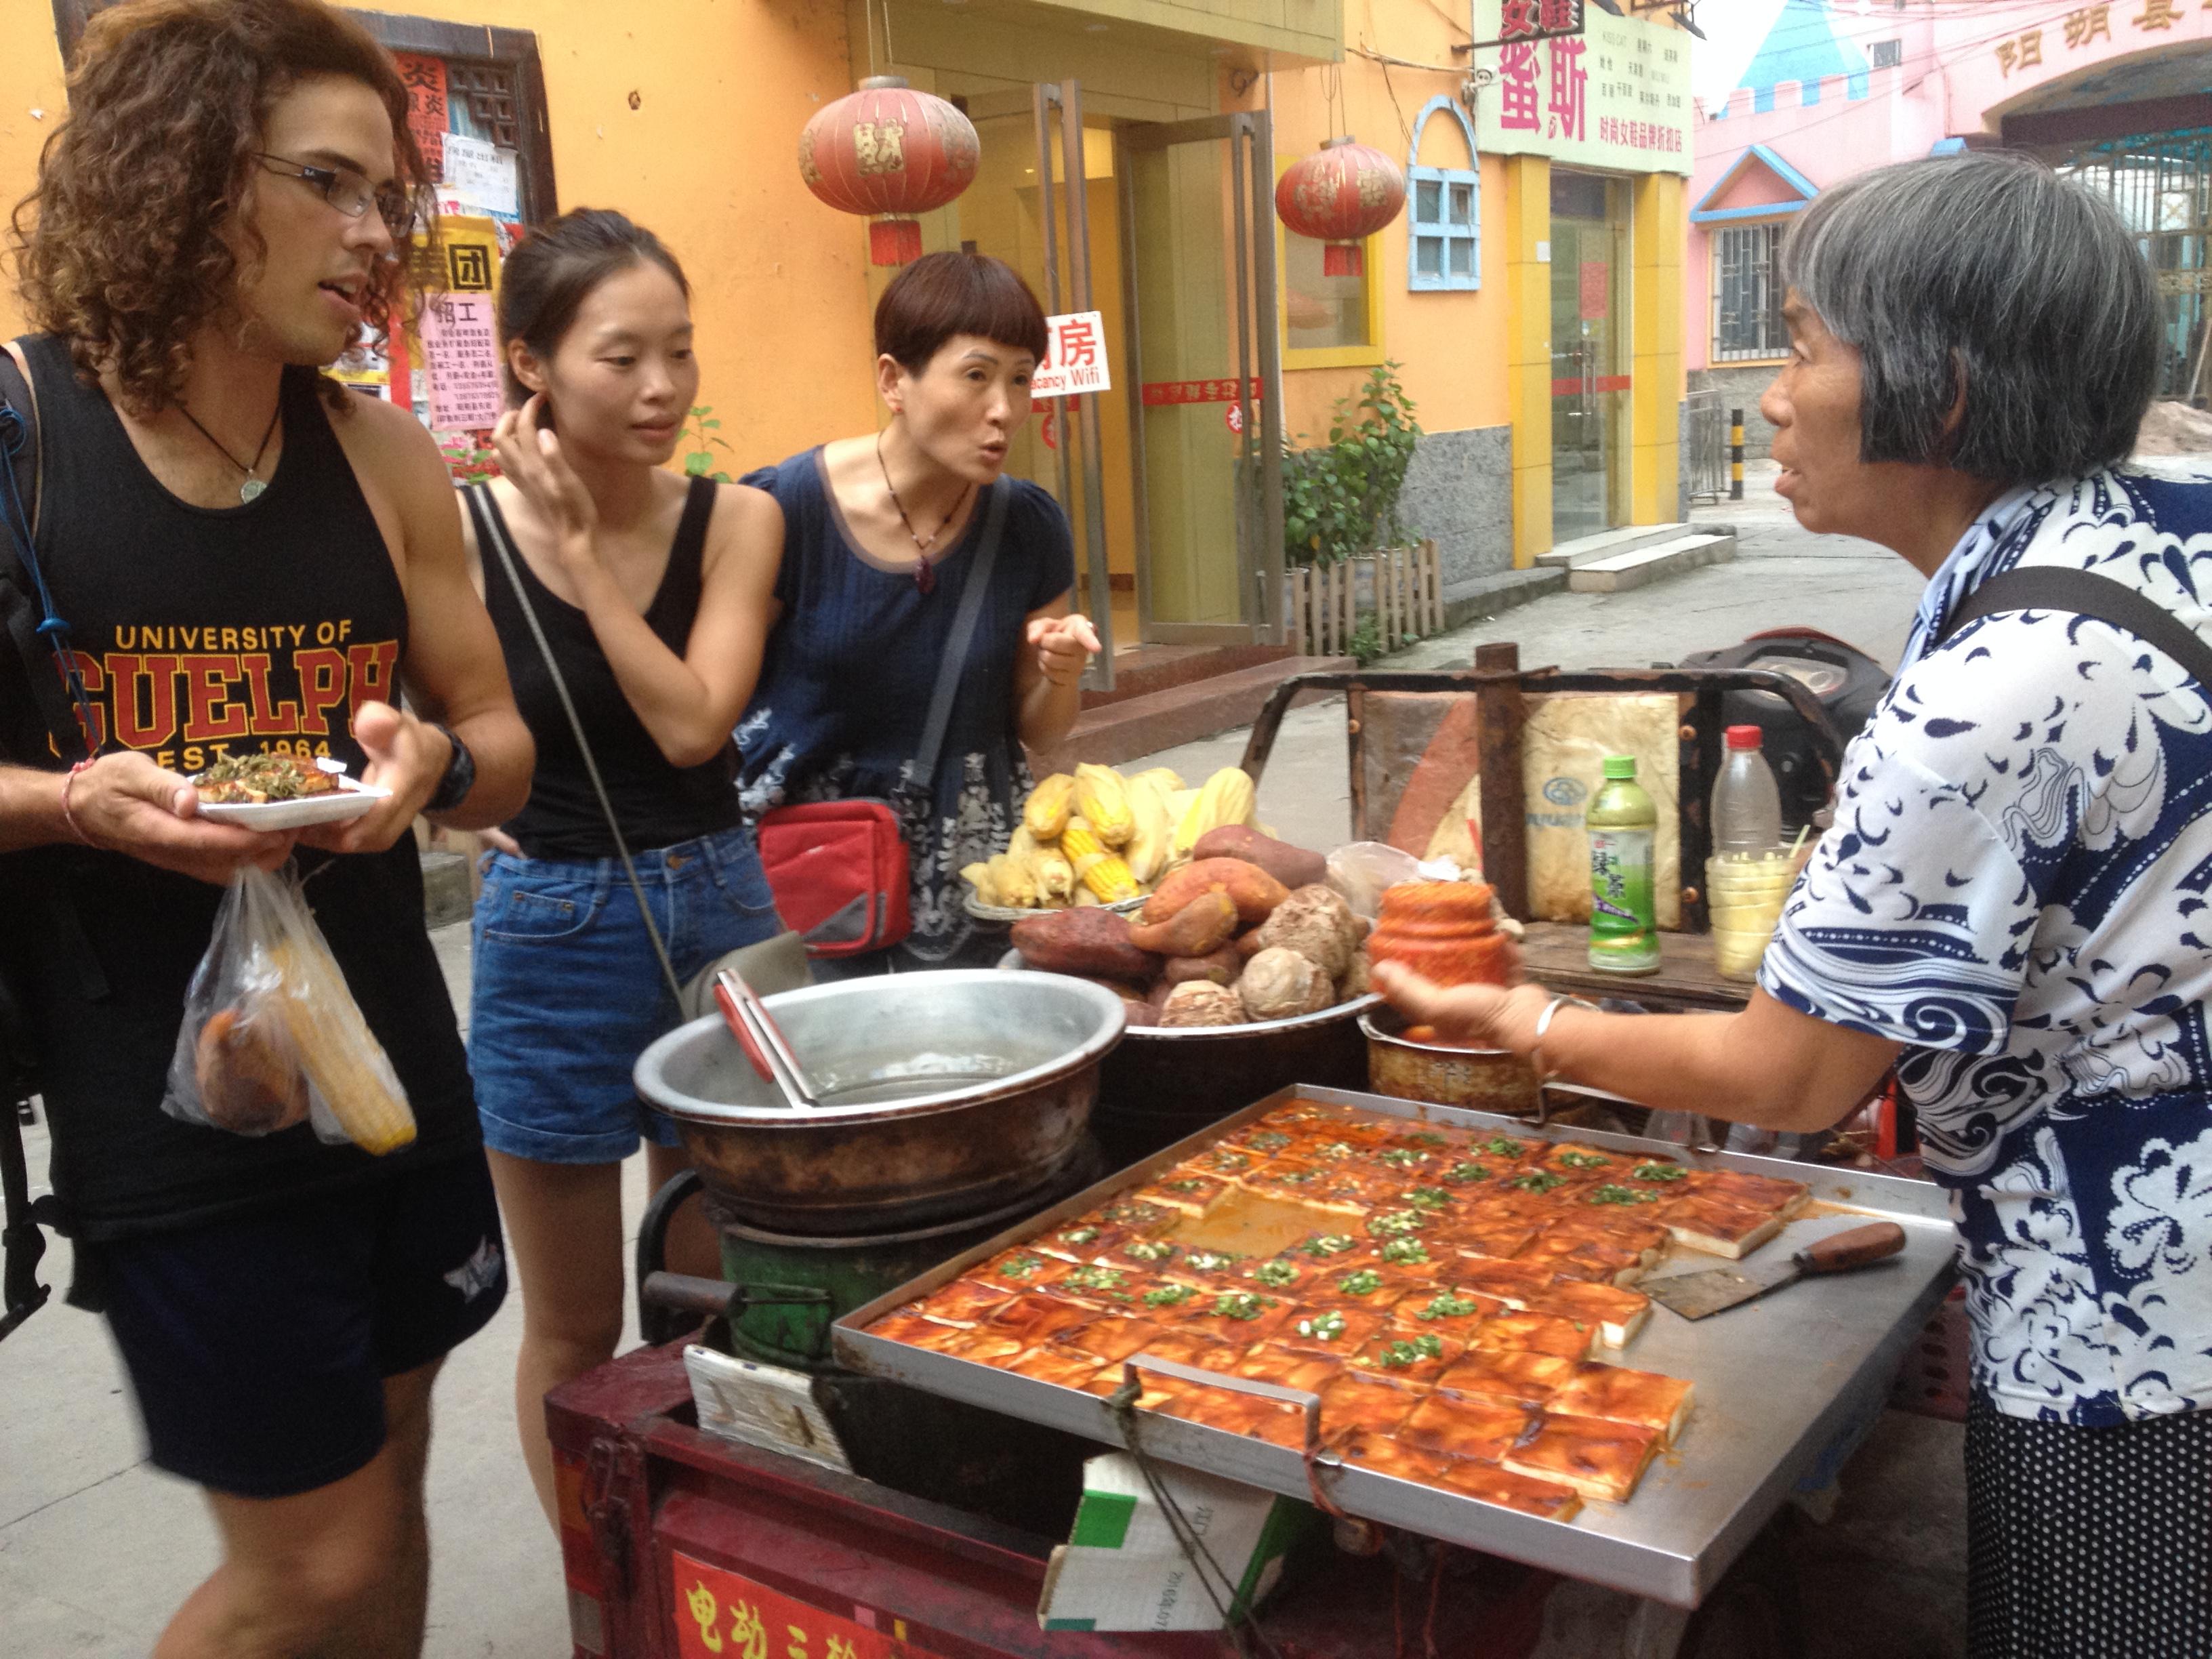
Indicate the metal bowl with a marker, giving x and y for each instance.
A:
(1480, 1080)
(944, 1095)
(1165, 1082)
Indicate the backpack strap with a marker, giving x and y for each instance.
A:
(28, 616)
(2084, 593)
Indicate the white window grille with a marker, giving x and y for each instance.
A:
(1748, 294)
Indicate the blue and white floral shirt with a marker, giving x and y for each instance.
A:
(2016, 887)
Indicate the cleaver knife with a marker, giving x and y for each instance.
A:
(1693, 1295)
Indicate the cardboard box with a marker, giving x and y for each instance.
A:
(1122, 1569)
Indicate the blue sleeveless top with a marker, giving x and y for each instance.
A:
(845, 684)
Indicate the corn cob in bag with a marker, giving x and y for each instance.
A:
(271, 1035)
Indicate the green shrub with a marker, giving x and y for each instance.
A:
(1341, 499)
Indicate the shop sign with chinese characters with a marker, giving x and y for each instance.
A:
(2079, 29)
(719, 1615)
(1616, 96)
(1075, 356)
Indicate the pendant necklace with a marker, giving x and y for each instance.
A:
(252, 488)
(925, 574)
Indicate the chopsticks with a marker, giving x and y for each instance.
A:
(762, 1039)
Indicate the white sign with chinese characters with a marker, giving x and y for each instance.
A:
(481, 173)
(1616, 97)
(1075, 356)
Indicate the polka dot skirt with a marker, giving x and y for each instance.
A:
(2089, 1543)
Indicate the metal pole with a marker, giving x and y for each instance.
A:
(1736, 454)
(1045, 100)
(1085, 408)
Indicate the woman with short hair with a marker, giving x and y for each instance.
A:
(2010, 909)
(880, 533)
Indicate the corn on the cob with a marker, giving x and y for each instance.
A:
(1017, 888)
(1152, 843)
(1049, 805)
(1104, 873)
(1169, 779)
(1102, 800)
(1227, 799)
(1055, 876)
(979, 876)
(340, 1055)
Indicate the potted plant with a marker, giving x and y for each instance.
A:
(1340, 512)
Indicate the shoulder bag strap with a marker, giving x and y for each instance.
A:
(2084, 593)
(491, 528)
(915, 799)
(44, 633)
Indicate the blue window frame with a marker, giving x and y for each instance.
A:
(1443, 240)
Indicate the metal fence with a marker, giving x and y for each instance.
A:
(1705, 444)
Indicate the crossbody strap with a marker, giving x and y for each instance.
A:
(2084, 593)
(22, 463)
(973, 591)
(491, 528)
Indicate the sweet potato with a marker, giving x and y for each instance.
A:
(1293, 867)
(1248, 946)
(1084, 941)
(1221, 966)
(1204, 924)
(1252, 890)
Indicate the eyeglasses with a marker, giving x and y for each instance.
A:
(351, 194)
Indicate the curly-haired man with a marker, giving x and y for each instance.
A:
(250, 559)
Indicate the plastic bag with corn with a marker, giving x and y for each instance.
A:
(272, 1037)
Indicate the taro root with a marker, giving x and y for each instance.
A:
(1316, 924)
(1281, 984)
(1201, 1002)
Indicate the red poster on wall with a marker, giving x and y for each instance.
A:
(425, 79)
(1597, 290)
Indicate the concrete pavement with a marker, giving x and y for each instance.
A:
(96, 1548)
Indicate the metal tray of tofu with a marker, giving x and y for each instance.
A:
(1781, 1383)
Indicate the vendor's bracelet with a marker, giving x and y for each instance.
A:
(67, 816)
(1545, 1074)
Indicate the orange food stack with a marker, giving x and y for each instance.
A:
(1443, 931)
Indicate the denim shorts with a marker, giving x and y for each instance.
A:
(565, 992)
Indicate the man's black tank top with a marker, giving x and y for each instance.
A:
(656, 803)
(201, 630)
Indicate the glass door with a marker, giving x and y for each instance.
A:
(1199, 255)
(1590, 354)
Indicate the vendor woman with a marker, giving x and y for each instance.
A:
(2011, 909)
(880, 533)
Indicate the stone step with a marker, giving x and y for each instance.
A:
(1486, 596)
(447, 896)
(1140, 726)
(1608, 543)
(1623, 571)
(1150, 668)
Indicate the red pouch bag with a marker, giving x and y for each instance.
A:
(839, 871)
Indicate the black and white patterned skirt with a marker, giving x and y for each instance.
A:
(2089, 1543)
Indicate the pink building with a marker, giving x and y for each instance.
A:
(2115, 92)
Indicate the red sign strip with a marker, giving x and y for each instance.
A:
(1603, 383)
(1157, 392)
(722, 1615)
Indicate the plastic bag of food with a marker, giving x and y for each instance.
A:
(1360, 870)
(272, 1037)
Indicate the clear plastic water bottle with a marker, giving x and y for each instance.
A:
(1747, 805)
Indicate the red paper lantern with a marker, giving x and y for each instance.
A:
(1342, 194)
(889, 151)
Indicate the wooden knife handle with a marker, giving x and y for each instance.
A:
(1855, 1248)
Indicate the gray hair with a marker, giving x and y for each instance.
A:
(1990, 268)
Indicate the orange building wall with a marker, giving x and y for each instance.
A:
(1451, 345)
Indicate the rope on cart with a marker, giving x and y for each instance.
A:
(1123, 1403)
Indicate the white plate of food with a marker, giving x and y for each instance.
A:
(281, 791)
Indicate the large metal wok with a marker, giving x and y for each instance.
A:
(946, 1095)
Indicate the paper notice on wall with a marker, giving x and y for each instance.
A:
(1074, 357)
(480, 173)
(462, 352)
(425, 81)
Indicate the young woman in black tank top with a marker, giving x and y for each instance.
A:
(654, 592)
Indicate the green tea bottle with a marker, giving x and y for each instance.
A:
(1623, 824)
